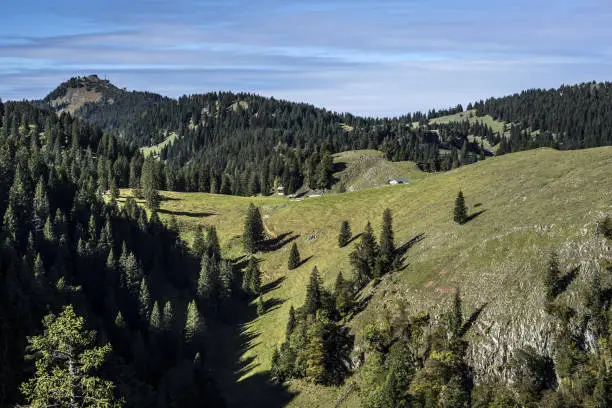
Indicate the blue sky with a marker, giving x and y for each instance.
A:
(366, 57)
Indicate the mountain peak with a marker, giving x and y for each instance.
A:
(73, 94)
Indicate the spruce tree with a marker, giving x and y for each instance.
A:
(460, 214)
(294, 257)
(226, 277)
(208, 281)
(553, 275)
(199, 244)
(212, 244)
(144, 300)
(345, 234)
(387, 244)
(314, 293)
(253, 230)
(67, 360)
(156, 322)
(194, 327)
(365, 256)
(315, 354)
(291, 322)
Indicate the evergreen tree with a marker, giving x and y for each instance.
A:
(144, 301)
(226, 277)
(208, 281)
(364, 257)
(387, 244)
(553, 276)
(194, 327)
(212, 244)
(460, 214)
(315, 354)
(199, 244)
(294, 257)
(67, 364)
(314, 293)
(149, 185)
(291, 322)
(156, 322)
(253, 230)
(261, 309)
(345, 234)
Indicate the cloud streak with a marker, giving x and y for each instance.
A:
(366, 57)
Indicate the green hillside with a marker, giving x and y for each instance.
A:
(361, 169)
(526, 204)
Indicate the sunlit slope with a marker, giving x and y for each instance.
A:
(532, 201)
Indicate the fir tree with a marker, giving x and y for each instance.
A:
(199, 244)
(291, 322)
(212, 244)
(208, 281)
(253, 230)
(144, 300)
(261, 309)
(314, 293)
(553, 275)
(194, 327)
(67, 362)
(294, 257)
(345, 234)
(460, 214)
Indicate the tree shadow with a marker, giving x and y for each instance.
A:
(356, 237)
(303, 261)
(402, 249)
(195, 214)
(270, 286)
(228, 342)
(272, 304)
(476, 214)
(360, 307)
(566, 280)
(472, 319)
(166, 198)
(277, 243)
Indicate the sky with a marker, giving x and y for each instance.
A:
(376, 58)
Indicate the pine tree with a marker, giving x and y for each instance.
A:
(345, 234)
(387, 244)
(291, 322)
(199, 244)
(261, 309)
(294, 257)
(67, 360)
(315, 354)
(314, 293)
(149, 184)
(253, 230)
(553, 276)
(156, 322)
(194, 327)
(208, 281)
(212, 244)
(365, 256)
(144, 301)
(226, 276)
(460, 215)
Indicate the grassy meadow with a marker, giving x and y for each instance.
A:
(522, 204)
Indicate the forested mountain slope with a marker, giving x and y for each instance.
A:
(244, 144)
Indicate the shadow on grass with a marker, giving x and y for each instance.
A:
(228, 341)
(166, 198)
(471, 320)
(566, 280)
(195, 214)
(277, 243)
(303, 261)
(356, 237)
(270, 286)
(272, 304)
(476, 214)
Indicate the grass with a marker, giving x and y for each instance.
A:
(470, 115)
(362, 169)
(155, 149)
(533, 201)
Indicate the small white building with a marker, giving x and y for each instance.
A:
(395, 181)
